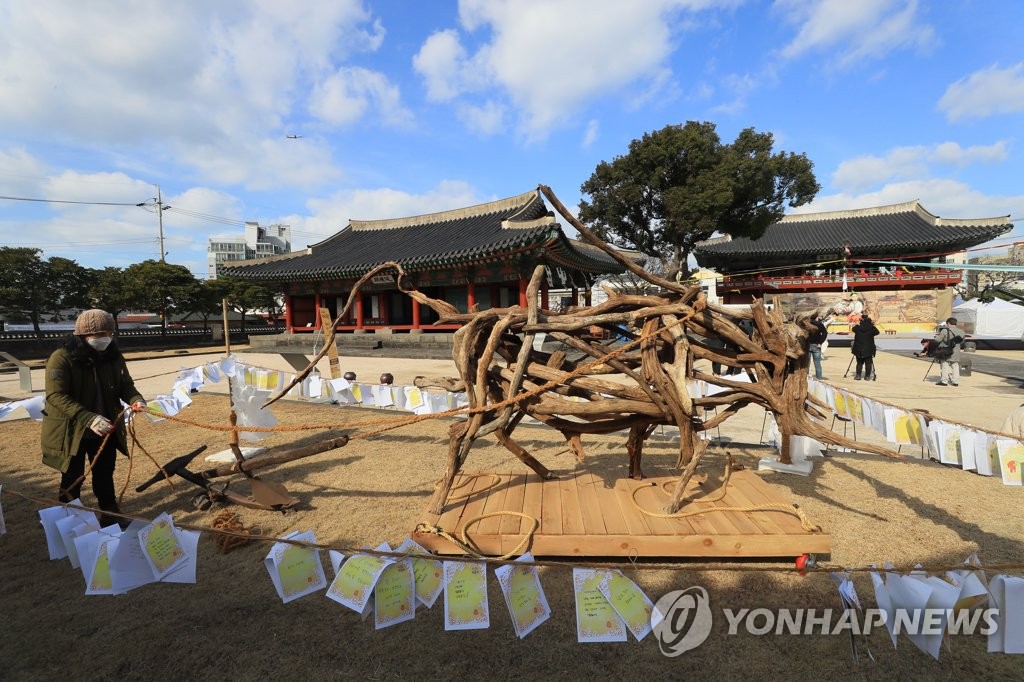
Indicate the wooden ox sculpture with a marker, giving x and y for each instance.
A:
(610, 387)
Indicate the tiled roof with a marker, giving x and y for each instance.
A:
(429, 241)
(906, 230)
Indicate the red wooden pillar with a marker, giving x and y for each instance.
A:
(586, 297)
(382, 305)
(522, 292)
(470, 296)
(359, 311)
(316, 310)
(575, 300)
(415, 314)
(288, 312)
(544, 295)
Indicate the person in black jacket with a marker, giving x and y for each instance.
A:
(863, 348)
(814, 341)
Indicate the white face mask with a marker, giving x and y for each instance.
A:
(100, 343)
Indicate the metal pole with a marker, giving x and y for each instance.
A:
(160, 219)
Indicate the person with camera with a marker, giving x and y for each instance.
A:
(947, 351)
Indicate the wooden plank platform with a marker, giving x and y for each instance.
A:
(581, 513)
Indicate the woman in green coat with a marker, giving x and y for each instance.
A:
(86, 380)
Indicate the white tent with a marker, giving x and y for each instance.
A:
(999, 319)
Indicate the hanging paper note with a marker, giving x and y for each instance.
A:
(1008, 598)
(394, 597)
(596, 620)
(295, 570)
(48, 518)
(429, 573)
(382, 396)
(354, 583)
(161, 547)
(248, 403)
(357, 392)
(95, 549)
(465, 596)
(413, 398)
(527, 604)
(903, 427)
(74, 525)
(629, 601)
(227, 366)
(967, 458)
(842, 408)
(884, 601)
(1011, 460)
(211, 371)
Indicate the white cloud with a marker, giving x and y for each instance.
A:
(440, 61)
(332, 213)
(550, 57)
(349, 93)
(590, 136)
(943, 197)
(984, 93)
(907, 163)
(854, 31)
(208, 76)
(486, 119)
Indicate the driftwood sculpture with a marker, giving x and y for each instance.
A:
(613, 386)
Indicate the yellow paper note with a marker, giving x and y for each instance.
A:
(524, 596)
(101, 571)
(908, 429)
(161, 546)
(596, 620)
(297, 567)
(632, 605)
(357, 392)
(395, 595)
(465, 596)
(414, 398)
(1011, 461)
(354, 583)
(841, 408)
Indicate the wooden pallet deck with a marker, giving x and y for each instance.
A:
(583, 514)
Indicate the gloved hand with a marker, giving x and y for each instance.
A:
(100, 425)
(139, 406)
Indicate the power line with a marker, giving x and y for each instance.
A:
(61, 201)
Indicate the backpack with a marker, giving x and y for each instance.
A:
(948, 344)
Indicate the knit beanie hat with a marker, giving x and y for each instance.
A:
(93, 322)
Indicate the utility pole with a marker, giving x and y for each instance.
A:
(160, 219)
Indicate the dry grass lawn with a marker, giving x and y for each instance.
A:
(232, 625)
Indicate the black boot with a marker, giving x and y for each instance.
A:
(108, 518)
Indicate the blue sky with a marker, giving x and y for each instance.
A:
(413, 107)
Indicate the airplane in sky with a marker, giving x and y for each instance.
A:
(293, 137)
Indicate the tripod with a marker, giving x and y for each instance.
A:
(874, 374)
(929, 370)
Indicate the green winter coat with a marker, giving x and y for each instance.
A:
(65, 417)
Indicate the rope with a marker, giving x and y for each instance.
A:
(469, 546)
(821, 567)
(805, 522)
(467, 479)
(236, 534)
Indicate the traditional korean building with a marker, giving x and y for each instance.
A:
(481, 255)
(816, 260)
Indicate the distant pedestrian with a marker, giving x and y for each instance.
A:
(863, 348)
(86, 380)
(814, 343)
(947, 352)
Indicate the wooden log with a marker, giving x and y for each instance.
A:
(270, 458)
